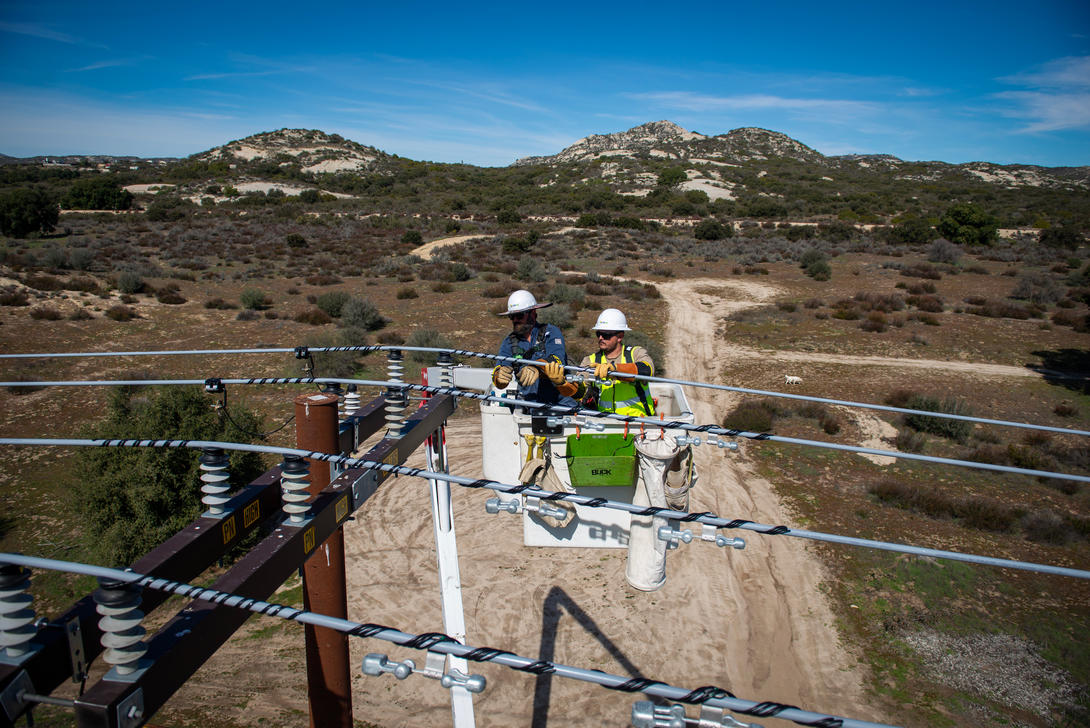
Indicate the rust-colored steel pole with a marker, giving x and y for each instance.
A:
(329, 684)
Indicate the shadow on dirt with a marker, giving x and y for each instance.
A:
(557, 602)
(1069, 368)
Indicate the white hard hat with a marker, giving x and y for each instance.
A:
(521, 301)
(611, 320)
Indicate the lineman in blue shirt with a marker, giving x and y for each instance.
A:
(531, 341)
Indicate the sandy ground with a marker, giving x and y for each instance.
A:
(752, 621)
(427, 250)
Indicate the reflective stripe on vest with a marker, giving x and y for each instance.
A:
(622, 396)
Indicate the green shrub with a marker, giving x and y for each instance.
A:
(121, 313)
(314, 317)
(957, 430)
(332, 302)
(359, 314)
(10, 296)
(130, 282)
(132, 499)
(407, 292)
(295, 240)
(559, 315)
(751, 416)
(45, 313)
(412, 237)
(711, 229)
(427, 338)
(253, 299)
(508, 217)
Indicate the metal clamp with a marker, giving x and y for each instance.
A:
(723, 444)
(532, 504)
(536, 505)
(646, 714)
(588, 424)
(495, 505)
(376, 664)
(671, 536)
(708, 533)
(683, 440)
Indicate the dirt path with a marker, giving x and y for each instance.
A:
(780, 633)
(427, 250)
(752, 621)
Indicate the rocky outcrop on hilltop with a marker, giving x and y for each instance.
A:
(314, 151)
(667, 140)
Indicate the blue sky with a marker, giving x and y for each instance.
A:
(487, 83)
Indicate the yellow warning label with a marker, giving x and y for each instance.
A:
(308, 540)
(229, 529)
(342, 509)
(391, 459)
(251, 513)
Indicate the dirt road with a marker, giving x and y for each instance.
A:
(751, 621)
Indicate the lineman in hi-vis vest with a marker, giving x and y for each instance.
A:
(531, 341)
(609, 394)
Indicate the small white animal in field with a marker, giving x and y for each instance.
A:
(789, 379)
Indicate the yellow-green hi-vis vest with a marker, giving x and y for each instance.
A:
(624, 396)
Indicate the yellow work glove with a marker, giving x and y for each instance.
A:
(528, 375)
(601, 371)
(501, 376)
(554, 370)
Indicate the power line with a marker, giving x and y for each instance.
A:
(366, 349)
(576, 410)
(438, 642)
(708, 518)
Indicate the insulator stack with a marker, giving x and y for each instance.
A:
(122, 633)
(214, 480)
(352, 401)
(294, 481)
(446, 376)
(16, 615)
(396, 401)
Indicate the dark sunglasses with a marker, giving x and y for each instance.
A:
(608, 334)
(519, 316)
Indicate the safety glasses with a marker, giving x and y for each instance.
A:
(608, 334)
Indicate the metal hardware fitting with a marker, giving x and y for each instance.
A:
(11, 697)
(376, 664)
(213, 385)
(130, 711)
(646, 714)
(74, 632)
(532, 504)
(672, 537)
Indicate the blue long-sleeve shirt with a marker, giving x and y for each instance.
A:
(546, 341)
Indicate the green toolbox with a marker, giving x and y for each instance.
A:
(606, 459)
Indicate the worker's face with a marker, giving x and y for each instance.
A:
(522, 323)
(608, 341)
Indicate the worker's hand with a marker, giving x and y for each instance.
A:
(554, 370)
(528, 375)
(501, 376)
(601, 371)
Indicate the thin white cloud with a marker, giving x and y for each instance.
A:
(40, 31)
(1057, 95)
(1050, 111)
(229, 74)
(1062, 73)
(689, 101)
(103, 64)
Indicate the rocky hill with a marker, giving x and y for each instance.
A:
(314, 152)
(619, 156)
